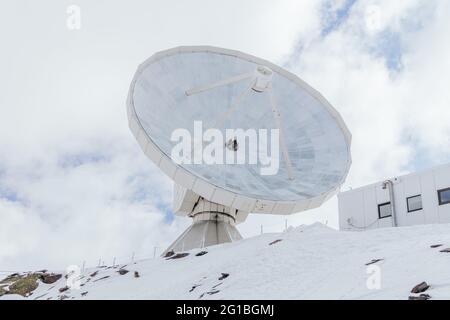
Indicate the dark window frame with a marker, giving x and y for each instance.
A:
(407, 203)
(379, 211)
(442, 203)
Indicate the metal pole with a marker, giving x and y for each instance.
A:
(283, 143)
(220, 83)
(390, 186)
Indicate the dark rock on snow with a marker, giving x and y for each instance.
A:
(373, 261)
(274, 242)
(63, 289)
(105, 277)
(169, 254)
(122, 271)
(421, 287)
(421, 297)
(224, 276)
(193, 287)
(213, 292)
(49, 278)
(178, 256)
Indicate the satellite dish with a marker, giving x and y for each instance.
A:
(226, 89)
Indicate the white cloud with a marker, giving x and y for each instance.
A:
(74, 185)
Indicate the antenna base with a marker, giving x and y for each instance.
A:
(208, 228)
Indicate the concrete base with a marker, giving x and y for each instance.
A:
(207, 229)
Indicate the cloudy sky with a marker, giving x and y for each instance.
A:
(74, 185)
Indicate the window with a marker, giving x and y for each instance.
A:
(414, 203)
(384, 210)
(444, 196)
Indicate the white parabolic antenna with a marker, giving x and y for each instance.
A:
(226, 89)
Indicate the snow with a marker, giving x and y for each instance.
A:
(311, 262)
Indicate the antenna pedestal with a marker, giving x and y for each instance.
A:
(212, 224)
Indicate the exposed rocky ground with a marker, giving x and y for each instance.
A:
(24, 284)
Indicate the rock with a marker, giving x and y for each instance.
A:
(84, 293)
(169, 254)
(209, 292)
(11, 278)
(421, 297)
(105, 277)
(193, 287)
(436, 246)
(213, 292)
(136, 274)
(274, 242)
(93, 274)
(122, 271)
(23, 285)
(374, 261)
(63, 289)
(445, 250)
(178, 256)
(3, 291)
(421, 287)
(201, 253)
(48, 278)
(224, 276)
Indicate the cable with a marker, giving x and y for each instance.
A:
(361, 228)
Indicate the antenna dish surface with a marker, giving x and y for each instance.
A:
(176, 87)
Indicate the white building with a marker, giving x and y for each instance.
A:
(418, 198)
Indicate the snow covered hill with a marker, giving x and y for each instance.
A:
(309, 262)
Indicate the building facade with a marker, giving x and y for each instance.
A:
(418, 198)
